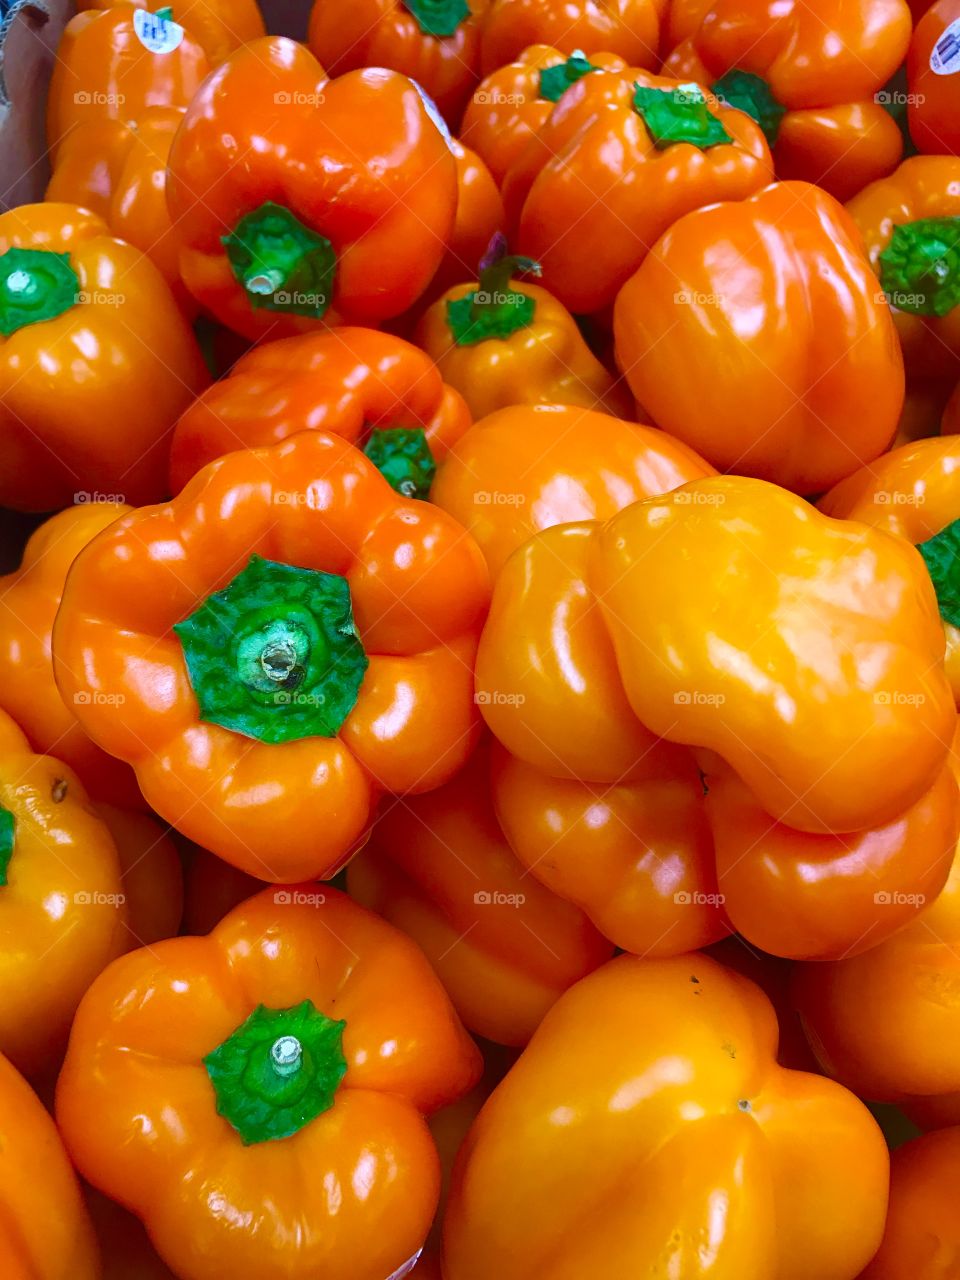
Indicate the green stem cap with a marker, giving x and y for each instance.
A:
(941, 554)
(7, 835)
(678, 115)
(276, 655)
(282, 265)
(493, 310)
(920, 267)
(165, 15)
(403, 456)
(555, 81)
(438, 17)
(278, 1071)
(35, 285)
(751, 94)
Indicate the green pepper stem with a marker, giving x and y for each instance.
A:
(8, 826)
(438, 17)
(920, 268)
(35, 285)
(556, 80)
(282, 264)
(678, 115)
(493, 310)
(941, 554)
(751, 94)
(403, 457)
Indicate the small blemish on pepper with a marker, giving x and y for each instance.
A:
(58, 792)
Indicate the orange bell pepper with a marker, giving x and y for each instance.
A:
(96, 363)
(651, 1106)
(61, 896)
(810, 73)
(921, 1240)
(503, 343)
(29, 599)
(347, 617)
(116, 62)
(514, 102)
(910, 224)
(298, 1046)
(914, 492)
(219, 25)
(379, 392)
(782, 406)
(435, 42)
(933, 79)
(45, 1231)
(480, 215)
(120, 173)
(282, 245)
(504, 947)
(628, 28)
(622, 156)
(528, 468)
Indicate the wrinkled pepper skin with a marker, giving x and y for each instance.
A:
(933, 108)
(817, 71)
(219, 25)
(921, 1240)
(600, 173)
(504, 947)
(510, 106)
(388, 33)
(300, 720)
(45, 1230)
(628, 28)
(29, 599)
(62, 901)
(120, 173)
(545, 361)
(783, 405)
(821, 751)
(139, 1111)
(525, 469)
(347, 381)
(103, 70)
(354, 241)
(650, 1101)
(89, 394)
(913, 492)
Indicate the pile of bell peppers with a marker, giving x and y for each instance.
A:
(480, 645)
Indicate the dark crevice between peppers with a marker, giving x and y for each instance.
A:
(751, 94)
(493, 310)
(920, 267)
(278, 1071)
(556, 80)
(282, 264)
(276, 655)
(438, 17)
(35, 285)
(941, 554)
(403, 457)
(678, 115)
(8, 826)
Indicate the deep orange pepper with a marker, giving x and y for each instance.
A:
(528, 468)
(504, 947)
(351, 382)
(933, 79)
(104, 69)
(279, 244)
(119, 171)
(96, 364)
(219, 25)
(781, 404)
(435, 42)
(810, 72)
(480, 215)
(514, 102)
(621, 157)
(302, 1034)
(29, 599)
(628, 28)
(914, 492)
(337, 687)
(45, 1230)
(650, 1105)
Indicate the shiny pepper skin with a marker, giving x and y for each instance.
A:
(933, 107)
(628, 28)
(219, 25)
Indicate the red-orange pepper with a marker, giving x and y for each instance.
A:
(933, 79)
(628, 28)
